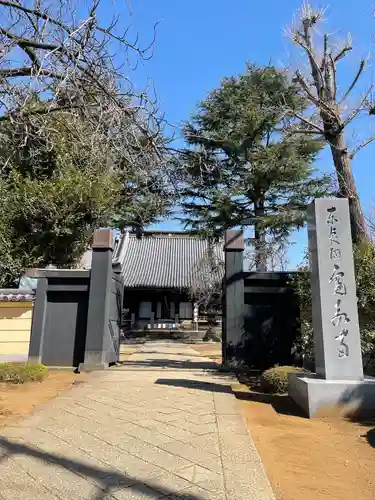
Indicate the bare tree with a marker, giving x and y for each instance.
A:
(274, 252)
(206, 277)
(329, 119)
(80, 146)
(58, 60)
(65, 83)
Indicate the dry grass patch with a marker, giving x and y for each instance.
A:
(19, 373)
(17, 400)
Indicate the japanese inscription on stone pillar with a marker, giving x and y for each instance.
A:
(337, 279)
(334, 302)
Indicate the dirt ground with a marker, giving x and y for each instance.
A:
(126, 351)
(17, 400)
(326, 458)
(211, 350)
(319, 459)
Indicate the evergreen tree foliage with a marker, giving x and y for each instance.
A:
(63, 179)
(242, 168)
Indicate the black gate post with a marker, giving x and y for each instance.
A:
(234, 296)
(98, 316)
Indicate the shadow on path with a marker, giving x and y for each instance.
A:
(281, 403)
(169, 363)
(195, 384)
(109, 480)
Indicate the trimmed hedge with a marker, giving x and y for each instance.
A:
(18, 373)
(275, 380)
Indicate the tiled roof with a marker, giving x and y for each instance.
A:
(15, 295)
(164, 260)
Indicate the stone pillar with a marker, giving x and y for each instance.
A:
(196, 315)
(99, 305)
(333, 290)
(234, 300)
(339, 373)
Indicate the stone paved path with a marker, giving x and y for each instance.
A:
(161, 425)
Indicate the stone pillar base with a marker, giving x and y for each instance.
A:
(317, 396)
(62, 368)
(92, 367)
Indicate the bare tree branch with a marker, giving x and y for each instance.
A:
(309, 123)
(327, 106)
(342, 53)
(61, 69)
(354, 82)
(361, 146)
(35, 12)
(27, 71)
(358, 109)
(27, 43)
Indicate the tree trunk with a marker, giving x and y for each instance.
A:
(348, 188)
(260, 237)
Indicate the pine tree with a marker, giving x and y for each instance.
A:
(241, 169)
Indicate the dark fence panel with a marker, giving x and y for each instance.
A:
(66, 319)
(260, 313)
(77, 313)
(58, 333)
(271, 320)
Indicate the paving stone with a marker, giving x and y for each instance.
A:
(78, 461)
(165, 417)
(61, 482)
(237, 449)
(147, 435)
(197, 493)
(232, 425)
(225, 404)
(215, 465)
(16, 484)
(136, 492)
(194, 428)
(168, 483)
(155, 455)
(209, 418)
(127, 435)
(208, 442)
(188, 452)
(82, 445)
(166, 429)
(203, 477)
(27, 491)
(110, 434)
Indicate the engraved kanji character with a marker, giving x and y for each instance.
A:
(337, 277)
(334, 253)
(343, 350)
(333, 238)
(339, 317)
(332, 218)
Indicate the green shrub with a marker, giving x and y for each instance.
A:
(18, 373)
(275, 380)
(364, 262)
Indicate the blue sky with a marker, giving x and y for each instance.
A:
(200, 42)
